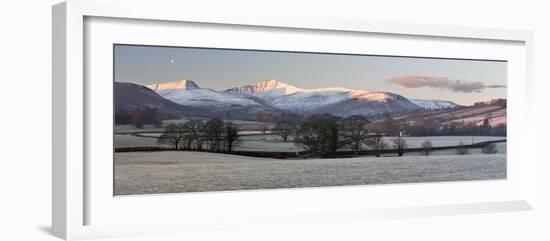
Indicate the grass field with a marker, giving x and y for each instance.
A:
(175, 172)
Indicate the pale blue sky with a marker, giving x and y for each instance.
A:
(221, 69)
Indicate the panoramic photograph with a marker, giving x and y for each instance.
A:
(192, 119)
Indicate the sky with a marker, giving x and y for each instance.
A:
(461, 81)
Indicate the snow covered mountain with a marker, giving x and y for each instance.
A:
(336, 100)
(434, 104)
(274, 96)
(178, 84)
(266, 88)
(275, 88)
(188, 93)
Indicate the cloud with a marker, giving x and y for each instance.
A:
(417, 81)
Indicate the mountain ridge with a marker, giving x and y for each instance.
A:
(274, 96)
(176, 84)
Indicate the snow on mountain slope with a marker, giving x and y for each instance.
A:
(205, 97)
(292, 98)
(219, 104)
(305, 101)
(265, 88)
(178, 84)
(187, 92)
(433, 104)
(374, 96)
(363, 102)
(274, 89)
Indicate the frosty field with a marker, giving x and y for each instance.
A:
(176, 171)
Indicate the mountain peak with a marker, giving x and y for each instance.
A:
(272, 86)
(177, 84)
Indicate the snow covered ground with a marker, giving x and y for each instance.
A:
(175, 172)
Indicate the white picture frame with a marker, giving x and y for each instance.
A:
(72, 184)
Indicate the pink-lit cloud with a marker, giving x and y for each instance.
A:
(417, 81)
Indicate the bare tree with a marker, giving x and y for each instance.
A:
(377, 145)
(490, 148)
(285, 129)
(320, 134)
(213, 134)
(462, 149)
(333, 126)
(231, 135)
(400, 144)
(192, 130)
(309, 136)
(199, 142)
(355, 129)
(173, 135)
(426, 148)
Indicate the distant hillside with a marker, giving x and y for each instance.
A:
(129, 97)
(133, 96)
(495, 114)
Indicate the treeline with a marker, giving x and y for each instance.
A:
(325, 134)
(322, 135)
(213, 135)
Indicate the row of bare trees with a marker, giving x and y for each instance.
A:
(325, 134)
(321, 135)
(213, 135)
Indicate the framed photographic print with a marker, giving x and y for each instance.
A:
(321, 125)
(199, 121)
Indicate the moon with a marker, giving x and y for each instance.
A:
(172, 61)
